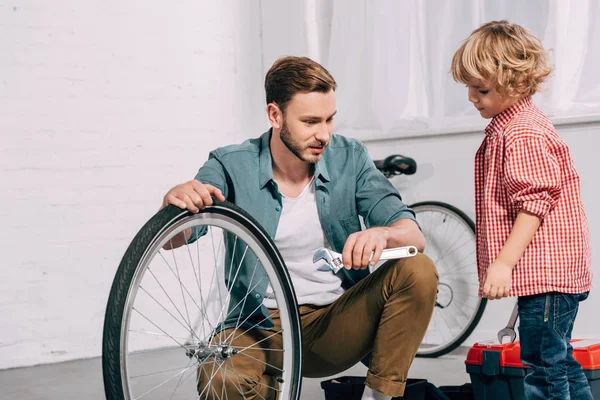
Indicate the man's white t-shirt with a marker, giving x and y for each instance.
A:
(299, 235)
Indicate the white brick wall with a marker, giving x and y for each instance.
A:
(103, 107)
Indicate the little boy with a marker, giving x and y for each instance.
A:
(532, 233)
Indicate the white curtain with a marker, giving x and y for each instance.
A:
(391, 59)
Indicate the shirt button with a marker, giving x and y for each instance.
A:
(278, 208)
(257, 296)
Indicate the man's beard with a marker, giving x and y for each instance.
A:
(297, 148)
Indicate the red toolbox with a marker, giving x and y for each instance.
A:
(497, 373)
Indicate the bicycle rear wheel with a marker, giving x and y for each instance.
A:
(168, 309)
(450, 237)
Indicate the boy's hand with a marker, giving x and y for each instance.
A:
(497, 280)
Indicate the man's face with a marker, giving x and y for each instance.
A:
(308, 124)
(486, 98)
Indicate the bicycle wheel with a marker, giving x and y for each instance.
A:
(168, 310)
(450, 237)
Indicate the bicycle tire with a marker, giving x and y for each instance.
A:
(118, 309)
(469, 225)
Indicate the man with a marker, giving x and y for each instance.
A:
(307, 187)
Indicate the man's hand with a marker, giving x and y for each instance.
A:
(360, 245)
(192, 195)
(497, 280)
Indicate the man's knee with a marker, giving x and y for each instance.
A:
(417, 274)
(213, 382)
(210, 381)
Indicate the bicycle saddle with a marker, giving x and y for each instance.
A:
(396, 164)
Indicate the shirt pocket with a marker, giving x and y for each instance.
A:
(351, 225)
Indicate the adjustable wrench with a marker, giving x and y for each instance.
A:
(334, 259)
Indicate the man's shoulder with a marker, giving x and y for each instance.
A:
(343, 143)
(249, 148)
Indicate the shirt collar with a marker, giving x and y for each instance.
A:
(265, 162)
(499, 122)
(321, 169)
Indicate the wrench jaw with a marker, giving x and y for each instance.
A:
(507, 332)
(326, 256)
(332, 259)
(510, 328)
(322, 254)
(336, 265)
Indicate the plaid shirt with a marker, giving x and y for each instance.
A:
(523, 164)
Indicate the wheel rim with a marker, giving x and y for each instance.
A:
(452, 247)
(159, 324)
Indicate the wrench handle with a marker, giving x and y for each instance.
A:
(513, 317)
(398, 252)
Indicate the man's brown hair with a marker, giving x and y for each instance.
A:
(291, 75)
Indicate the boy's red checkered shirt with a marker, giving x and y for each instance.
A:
(523, 164)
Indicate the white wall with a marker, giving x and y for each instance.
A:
(103, 107)
(445, 173)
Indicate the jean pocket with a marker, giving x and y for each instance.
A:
(565, 310)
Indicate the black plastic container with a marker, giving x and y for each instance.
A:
(352, 387)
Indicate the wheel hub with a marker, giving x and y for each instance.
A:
(204, 350)
(445, 295)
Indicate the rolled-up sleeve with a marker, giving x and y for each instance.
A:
(378, 201)
(211, 173)
(532, 176)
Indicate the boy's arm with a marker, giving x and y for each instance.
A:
(498, 274)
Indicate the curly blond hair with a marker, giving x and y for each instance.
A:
(504, 53)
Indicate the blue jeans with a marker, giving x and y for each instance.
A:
(546, 324)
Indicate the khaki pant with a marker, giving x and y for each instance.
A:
(386, 314)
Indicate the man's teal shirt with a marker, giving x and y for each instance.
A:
(347, 185)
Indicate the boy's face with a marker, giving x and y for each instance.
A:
(486, 98)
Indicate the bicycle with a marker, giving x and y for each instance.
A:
(167, 306)
(450, 243)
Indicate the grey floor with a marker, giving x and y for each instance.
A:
(83, 379)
